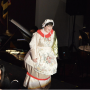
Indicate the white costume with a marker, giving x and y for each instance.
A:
(39, 73)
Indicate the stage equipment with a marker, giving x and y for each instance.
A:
(73, 8)
(84, 52)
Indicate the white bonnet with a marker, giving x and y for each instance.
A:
(47, 21)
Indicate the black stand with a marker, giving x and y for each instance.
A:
(72, 45)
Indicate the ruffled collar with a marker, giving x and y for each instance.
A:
(47, 35)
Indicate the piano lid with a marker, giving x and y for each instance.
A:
(26, 34)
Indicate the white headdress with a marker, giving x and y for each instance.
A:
(47, 21)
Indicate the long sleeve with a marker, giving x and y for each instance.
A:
(55, 45)
(33, 45)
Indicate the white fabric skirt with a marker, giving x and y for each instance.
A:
(32, 83)
(35, 80)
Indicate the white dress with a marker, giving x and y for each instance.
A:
(46, 65)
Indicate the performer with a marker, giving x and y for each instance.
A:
(41, 59)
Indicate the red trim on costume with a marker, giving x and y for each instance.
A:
(36, 78)
(47, 36)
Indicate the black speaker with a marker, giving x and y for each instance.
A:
(76, 7)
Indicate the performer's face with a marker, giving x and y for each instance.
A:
(48, 28)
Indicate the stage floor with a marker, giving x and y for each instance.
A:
(16, 72)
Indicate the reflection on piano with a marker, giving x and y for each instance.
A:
(18, 54)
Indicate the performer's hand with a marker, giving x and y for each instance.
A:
(35, 60)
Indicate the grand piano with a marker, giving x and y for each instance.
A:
(21, 45)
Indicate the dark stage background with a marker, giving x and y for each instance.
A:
(23, 11)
